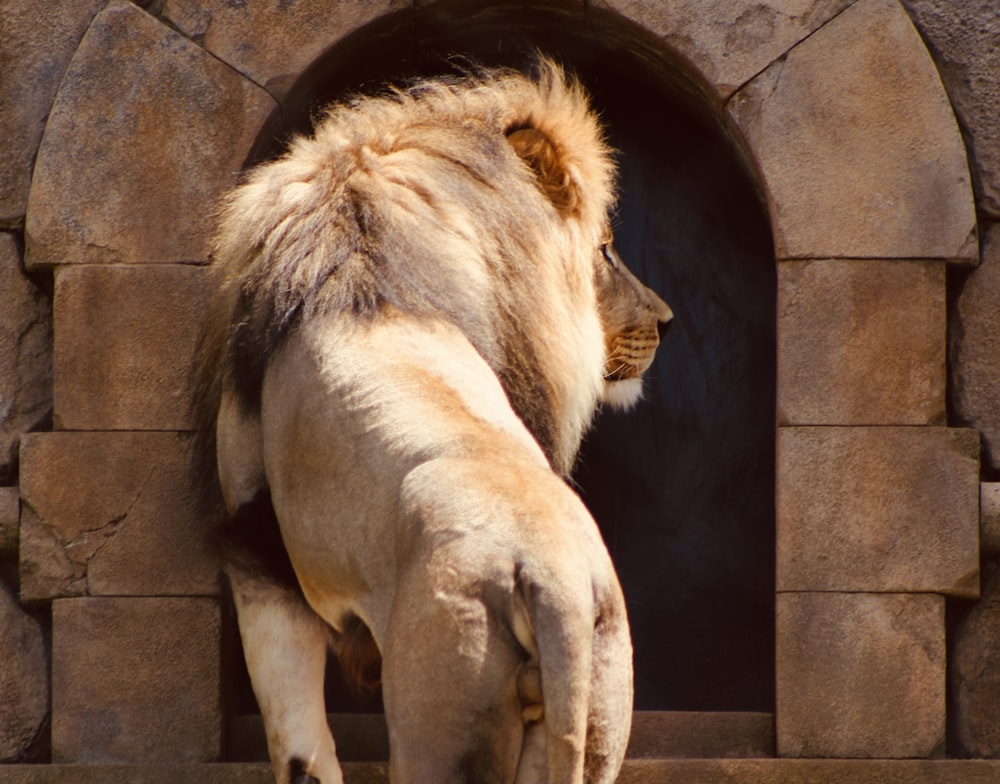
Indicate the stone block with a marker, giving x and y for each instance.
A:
(36, 46)
(125, 339)
(974, 676)
(146, 132)
(24, 679)
(9, 521)
(858, 145)
(989, 519)
(25, 354)
(962, 36)
(881, 509)
(974, 348)
(861, 343)
(273, 43)
(135, 680)
(112, 514)
(860, 675)
(728, 41)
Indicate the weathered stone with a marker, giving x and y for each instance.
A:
(974, 348)
(860, 675)
(25, 354)
(861, 343)
(658, 771)
(112, 514)
(962, 36)
(135, 680)
(685, 734)
(9, 521)
(37, 43)
(858, 145)
(145, 134)
(989, 518)
(125, 338)
(24, 680)
(273, 43)
(728, 41)
(878, 509)
(363, 737)
(974, 676)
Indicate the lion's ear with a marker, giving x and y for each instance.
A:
(549, 166)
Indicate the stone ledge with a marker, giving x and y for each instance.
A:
(363, 737)
(770, 771)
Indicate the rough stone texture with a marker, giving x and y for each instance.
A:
(25, 354)
(145, 134)
(974, 676)
(878, 509)
(989, 518)
(681, 734)
(135, 680)
(861, 343)
(962, 36)
(24, 679)
(9, 525)
(38, 40)
(860, 675)
(125, 338)
(744, 771)
(272, 43)
(814, 771)
(974, 348)
(728, 41)
(655, 735)
(858, 145)
(112, 514)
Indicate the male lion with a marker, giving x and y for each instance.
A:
(418, 314)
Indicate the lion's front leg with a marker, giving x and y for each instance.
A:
(285, 644)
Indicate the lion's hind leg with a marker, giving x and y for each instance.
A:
(285, 644)
(449, 685)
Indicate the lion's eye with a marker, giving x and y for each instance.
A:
(610, 255)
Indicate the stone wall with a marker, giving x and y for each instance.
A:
(124, 122)
(962, 37)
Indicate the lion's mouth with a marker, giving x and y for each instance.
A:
(616, 370)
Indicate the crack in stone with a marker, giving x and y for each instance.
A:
(109, 529)
(67, 561)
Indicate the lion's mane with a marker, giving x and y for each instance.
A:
(481, 199)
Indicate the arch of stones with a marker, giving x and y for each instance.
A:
(855, 145)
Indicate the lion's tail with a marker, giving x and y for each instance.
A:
(580, 636)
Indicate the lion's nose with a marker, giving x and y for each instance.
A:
(663, 327)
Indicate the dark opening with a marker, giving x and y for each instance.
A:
(683, 486)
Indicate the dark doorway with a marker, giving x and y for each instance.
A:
(683, 486)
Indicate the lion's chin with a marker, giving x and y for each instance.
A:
(622, 395)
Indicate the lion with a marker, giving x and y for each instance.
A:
(418, 311)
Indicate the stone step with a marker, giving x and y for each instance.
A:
(362, 737)
(743, 771)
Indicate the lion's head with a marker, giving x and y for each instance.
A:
(483, 199)
(634, 320)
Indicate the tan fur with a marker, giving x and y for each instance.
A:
(415, 321)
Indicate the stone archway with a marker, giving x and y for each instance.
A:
(864, 172)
